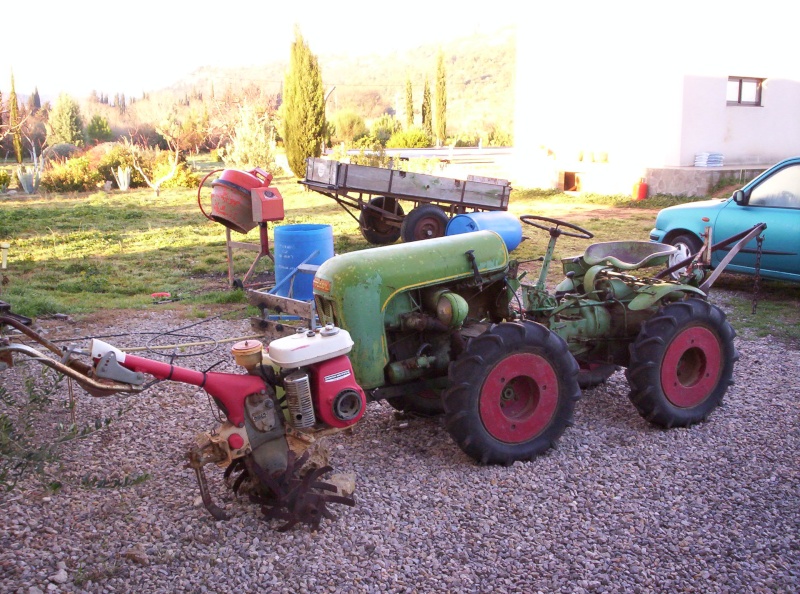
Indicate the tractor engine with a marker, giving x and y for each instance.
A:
(318, 379)
(412, 306)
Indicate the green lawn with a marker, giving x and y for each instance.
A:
(82, 253)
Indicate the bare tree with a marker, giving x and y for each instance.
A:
(136, 152)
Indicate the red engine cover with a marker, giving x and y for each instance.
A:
(338, 400)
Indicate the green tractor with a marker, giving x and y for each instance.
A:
(447, 326)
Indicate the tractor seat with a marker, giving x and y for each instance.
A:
(628, 255)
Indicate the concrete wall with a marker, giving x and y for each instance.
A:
(745, 135)
(613, 100)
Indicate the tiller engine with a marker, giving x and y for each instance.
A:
(298, 389)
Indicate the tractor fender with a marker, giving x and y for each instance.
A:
(650, 295)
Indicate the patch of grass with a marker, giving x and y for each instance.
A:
(615, 200)
(777, 307)
(82, 253)
(221, 297)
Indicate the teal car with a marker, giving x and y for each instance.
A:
(772, 198)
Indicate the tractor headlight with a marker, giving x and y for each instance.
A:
(451, 309)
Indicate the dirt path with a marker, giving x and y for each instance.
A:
(584, 212)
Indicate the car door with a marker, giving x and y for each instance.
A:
(774, 200)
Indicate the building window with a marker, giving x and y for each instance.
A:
(744, 90)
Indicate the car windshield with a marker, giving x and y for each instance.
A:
(782, 189)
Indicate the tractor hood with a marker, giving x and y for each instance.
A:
(384, 271)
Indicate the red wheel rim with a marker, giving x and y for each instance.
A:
(692, 366)
(428, 227)
(519, 397)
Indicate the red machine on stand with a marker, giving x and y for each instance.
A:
(242, 200)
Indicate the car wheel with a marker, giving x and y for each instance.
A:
(688, 245)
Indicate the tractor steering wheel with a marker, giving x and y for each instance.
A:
(581, 232)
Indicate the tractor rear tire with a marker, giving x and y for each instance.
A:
(682, 363)
(424, 222)
(374, 227)
(512, 393)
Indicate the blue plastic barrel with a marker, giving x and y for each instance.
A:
(294, 245)
(503, 223)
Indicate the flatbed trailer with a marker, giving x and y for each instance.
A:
(375, 198)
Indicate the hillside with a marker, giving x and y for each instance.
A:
(480, 75)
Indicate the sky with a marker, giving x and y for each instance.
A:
(144, 45)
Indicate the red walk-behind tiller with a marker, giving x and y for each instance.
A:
(240, 200)
(297, 390)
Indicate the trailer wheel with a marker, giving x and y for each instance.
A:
(424, 222)
(591, 375)
(375, 228)
(512, 393)
(682, 363)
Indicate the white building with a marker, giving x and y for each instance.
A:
(612, 92)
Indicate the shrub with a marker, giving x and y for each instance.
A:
(119, 155)
(411, 138)
(184, 177)
(349, 126)
(73, 175)
(500, 137)
(372, 155)
(5, 180)
(464, 140)
(384, 127)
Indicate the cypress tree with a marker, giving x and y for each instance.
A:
(409, 105)
(427, 123)
(14, 123)
(34, 102)
(441, 101)
(304, 105)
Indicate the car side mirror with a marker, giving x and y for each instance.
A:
(740, 198)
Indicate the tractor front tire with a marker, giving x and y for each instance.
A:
(681, 363)
(512, 393)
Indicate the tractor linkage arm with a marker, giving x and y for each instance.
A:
(741, 240)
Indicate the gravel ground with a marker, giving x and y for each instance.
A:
(618, 506)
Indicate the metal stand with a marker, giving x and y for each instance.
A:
(262, 248)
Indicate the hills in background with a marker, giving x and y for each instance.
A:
(480, 81)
